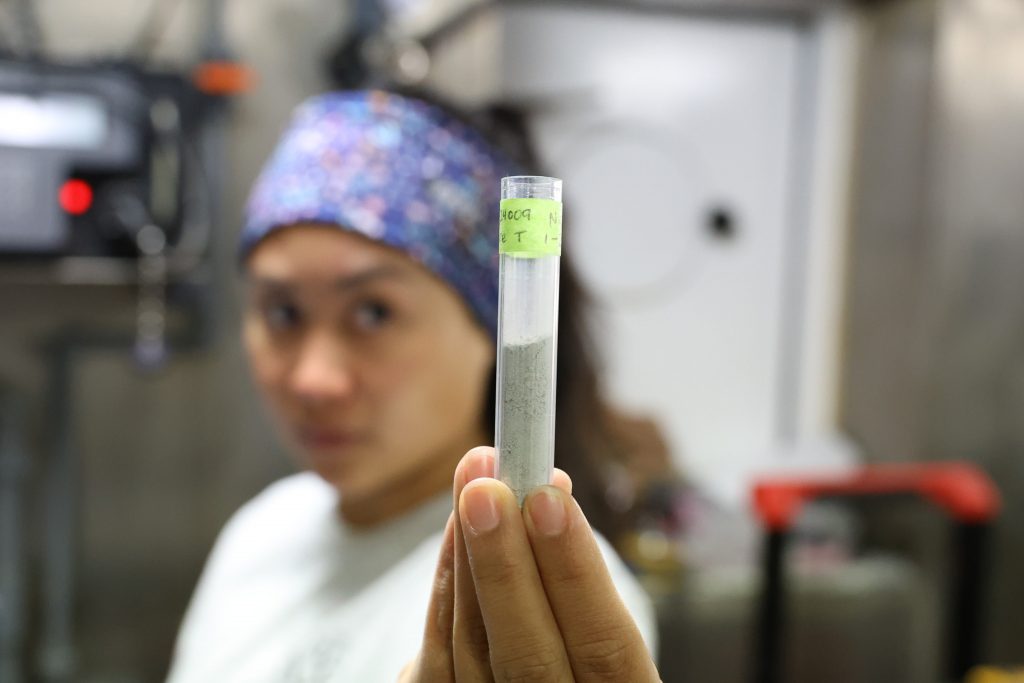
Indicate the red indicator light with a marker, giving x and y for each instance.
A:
(75, 197)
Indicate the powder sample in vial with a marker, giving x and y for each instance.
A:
(527, 410)
(529, 248)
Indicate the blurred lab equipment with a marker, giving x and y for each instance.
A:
(101, 180)
(961, 490)
(91, 155)
(109, 181)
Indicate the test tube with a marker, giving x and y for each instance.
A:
(530, 248)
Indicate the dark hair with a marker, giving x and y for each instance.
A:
(585, 444)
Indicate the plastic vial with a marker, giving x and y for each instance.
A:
(530, 248)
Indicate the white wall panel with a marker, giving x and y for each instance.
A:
(653, 121)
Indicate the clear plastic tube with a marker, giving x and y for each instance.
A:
(530, 251)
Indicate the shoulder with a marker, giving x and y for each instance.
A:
(299, 495)
(290, 513)
(267, 558)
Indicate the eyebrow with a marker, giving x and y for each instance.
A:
(343, 283)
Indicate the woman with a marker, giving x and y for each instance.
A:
(369, 250)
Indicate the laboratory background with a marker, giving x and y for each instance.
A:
(801, 223)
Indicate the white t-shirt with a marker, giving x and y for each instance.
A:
(290, 593)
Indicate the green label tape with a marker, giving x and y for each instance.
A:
(530, 227)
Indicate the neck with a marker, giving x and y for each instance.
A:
(430, 480)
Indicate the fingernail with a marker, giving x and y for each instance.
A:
(481, 509)
(547, 511)
(473, 467)
(476, 468)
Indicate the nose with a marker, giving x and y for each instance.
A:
(324, 370)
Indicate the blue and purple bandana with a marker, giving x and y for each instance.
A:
(397, 170)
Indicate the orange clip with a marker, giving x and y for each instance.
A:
(223, 78)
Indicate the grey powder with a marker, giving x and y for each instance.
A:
(525, 406)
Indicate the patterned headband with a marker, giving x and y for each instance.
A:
(397, 170)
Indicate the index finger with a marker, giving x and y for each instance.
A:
(601, 639)
(522, 635)
(471, 650)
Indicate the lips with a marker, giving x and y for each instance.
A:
(320, 439)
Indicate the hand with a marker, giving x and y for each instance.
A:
(523, 595)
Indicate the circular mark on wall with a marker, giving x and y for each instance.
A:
(635, 220)
(721, 223)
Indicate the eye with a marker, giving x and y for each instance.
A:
(372, 314)
(282, 316)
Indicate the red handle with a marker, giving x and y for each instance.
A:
(963, 490)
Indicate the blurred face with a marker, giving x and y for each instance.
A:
(373, 367)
